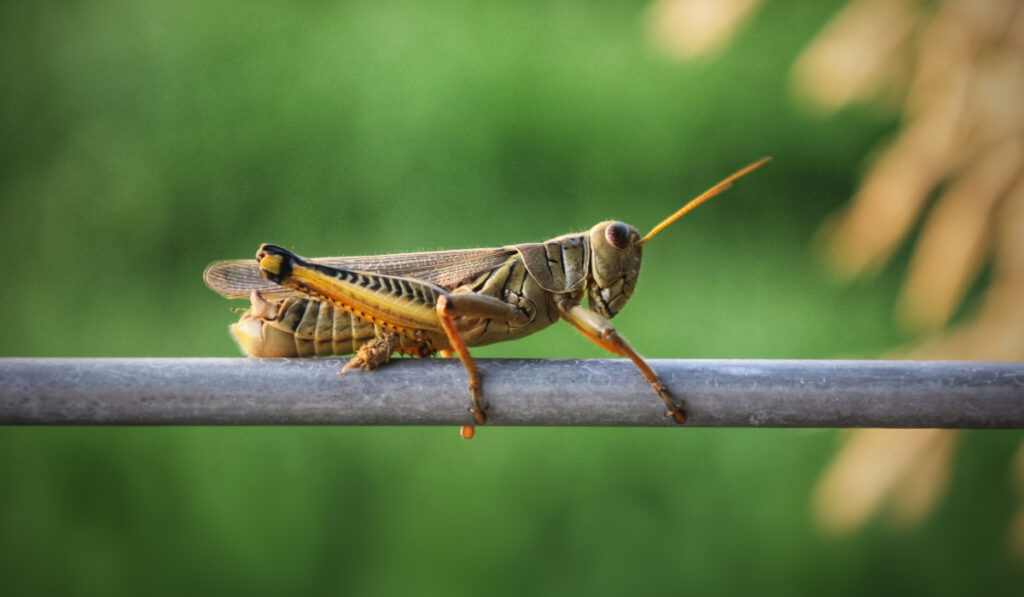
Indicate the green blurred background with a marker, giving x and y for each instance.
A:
(143, 139)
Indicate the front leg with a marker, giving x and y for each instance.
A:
(602, 332)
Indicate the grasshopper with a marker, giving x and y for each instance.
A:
(423, 303)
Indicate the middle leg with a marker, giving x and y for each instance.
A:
(450, 306)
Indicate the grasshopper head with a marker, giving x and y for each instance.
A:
(616, 248)
(614, 266)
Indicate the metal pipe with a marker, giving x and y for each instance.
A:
(609, 392)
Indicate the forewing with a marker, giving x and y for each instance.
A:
(237, 278)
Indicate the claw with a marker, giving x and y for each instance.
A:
(677, 415)
(479, 416)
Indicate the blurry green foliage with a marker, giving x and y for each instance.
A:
(141, 140)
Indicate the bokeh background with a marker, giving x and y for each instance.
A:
(141, 140)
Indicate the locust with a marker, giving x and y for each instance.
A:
(433, 302)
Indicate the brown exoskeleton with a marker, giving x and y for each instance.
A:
(421, 303)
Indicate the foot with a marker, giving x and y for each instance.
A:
(373, 354)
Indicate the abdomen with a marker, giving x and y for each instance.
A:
(304, 327)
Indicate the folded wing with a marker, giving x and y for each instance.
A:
(237, 278)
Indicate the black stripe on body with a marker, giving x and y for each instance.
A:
(482, 282)
(406, 288)
(548, 261)
(396, 287)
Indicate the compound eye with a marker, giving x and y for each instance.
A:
(617, 234)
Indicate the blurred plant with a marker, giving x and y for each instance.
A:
(955, 68)
(689, 28)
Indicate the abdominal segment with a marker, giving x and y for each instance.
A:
(305, 327)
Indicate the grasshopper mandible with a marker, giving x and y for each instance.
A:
(422, 303)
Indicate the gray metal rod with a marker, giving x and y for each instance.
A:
(611, 392)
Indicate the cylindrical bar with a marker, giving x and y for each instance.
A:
(601, 392)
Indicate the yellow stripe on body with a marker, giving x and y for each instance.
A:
(348, 291)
